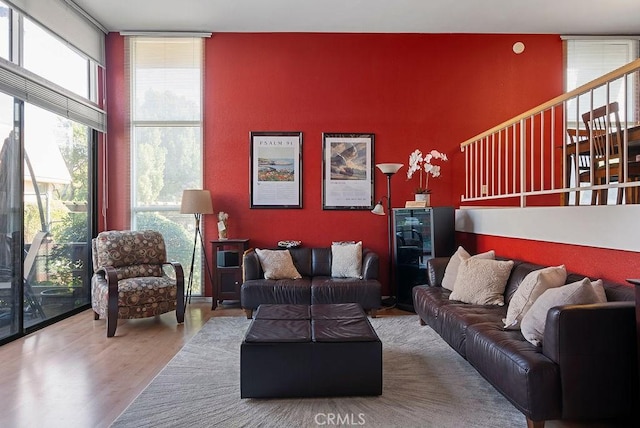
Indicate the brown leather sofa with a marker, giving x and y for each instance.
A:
(587, 368)
(316, 285)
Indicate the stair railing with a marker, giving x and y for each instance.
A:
(531, 160)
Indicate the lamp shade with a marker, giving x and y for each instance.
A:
(378, 209)
(389, 168)
(196, 201)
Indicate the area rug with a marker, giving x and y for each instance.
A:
(425, 384)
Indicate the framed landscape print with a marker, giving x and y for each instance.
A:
(347, 171)
(276, 169)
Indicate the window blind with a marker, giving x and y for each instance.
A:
(65, 19)
(27, 86)
(588, 59)
(167, 78)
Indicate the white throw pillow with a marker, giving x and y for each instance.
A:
(481, 281)
(531, 287)
(576, 293)
(598, 287)
(451, 271)
(346, 260)
(277, 264)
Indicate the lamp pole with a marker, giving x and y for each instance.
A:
(389, 169)
(390, 236)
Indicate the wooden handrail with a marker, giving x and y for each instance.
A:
(615, 74)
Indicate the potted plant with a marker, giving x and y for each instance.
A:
(423, 163)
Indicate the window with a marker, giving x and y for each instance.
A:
(52, 59)
(166, 138)
(5, 16)
(590, 59)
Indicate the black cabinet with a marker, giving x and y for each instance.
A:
(418, 235)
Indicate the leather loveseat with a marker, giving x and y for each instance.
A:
(316, 286)
(586, 368)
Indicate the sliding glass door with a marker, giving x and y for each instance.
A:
(56, 226)
(10, 221)
(51, 117)
(44, 216)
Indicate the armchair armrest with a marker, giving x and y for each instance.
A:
(180, 302)
(595, 348)
(112, 298)
(370, 265)
(435, 270)
(251, 268)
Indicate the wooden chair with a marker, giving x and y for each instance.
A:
(580, 161)
(606, 134)
(129, 280)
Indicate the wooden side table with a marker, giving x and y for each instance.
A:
(227, 269)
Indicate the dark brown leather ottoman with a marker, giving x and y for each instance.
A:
(310, 351)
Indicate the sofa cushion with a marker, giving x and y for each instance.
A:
(428, 300)
(481, 281)
(325, 290)
(451, 271)
(531, 287)
(302, 260)
(454, 319)
(346, 260)
(516, 368)
(577, 293)
(255, 292)
(277, 264)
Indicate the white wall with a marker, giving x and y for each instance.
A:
(607, 226)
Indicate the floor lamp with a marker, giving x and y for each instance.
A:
(388, 169)
(196, 202)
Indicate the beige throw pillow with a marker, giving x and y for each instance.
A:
(346, 260)
(481, 281)
(576, 293)
(277, 264)
(531, 287)
(598, 287)
(451, 271)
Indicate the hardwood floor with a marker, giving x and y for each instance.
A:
(70, 375)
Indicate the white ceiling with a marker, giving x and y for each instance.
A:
(369, 16)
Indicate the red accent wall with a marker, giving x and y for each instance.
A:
(426, 91)
(614, 265)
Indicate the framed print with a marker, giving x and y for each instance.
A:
(276, 169)
(347, 171)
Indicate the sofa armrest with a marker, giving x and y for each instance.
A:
(595, 347)
(251, 268)
(370, 265)
(435, 270)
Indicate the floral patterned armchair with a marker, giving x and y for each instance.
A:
(129, 280)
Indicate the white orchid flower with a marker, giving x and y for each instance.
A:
(428, 167)
(415, 159)
(420, 162)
